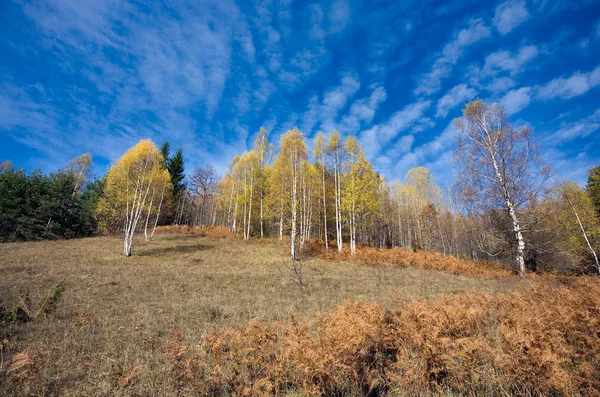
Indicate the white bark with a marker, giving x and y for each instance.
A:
(587, 241)
(137, 206)
(162, 196)
(294, 205)
(250, 210)
(325, 207)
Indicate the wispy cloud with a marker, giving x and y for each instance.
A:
(435, 154)
(381, 134)
(576, 129)
(431, 82)
(323, 114)
(505, 61)
(457, 95)
(577, 84)
(363, 110)
(509, 15)
(516, 100)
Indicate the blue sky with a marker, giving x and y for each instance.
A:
(94, 76)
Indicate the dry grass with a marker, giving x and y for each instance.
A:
(541, 341)
(110, 331)
(203, 231)
(402, 257)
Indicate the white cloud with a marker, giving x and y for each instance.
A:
(504, 61)
(500, 84)
(381, 134)
(575, 85)
(363, 110)
(339, 15)
(578, 129)
(337, 97)
(455, 96)
(324, 113)
(402, 146)
(509, 15)
(516, 100)
(430, 82)
(437, 149)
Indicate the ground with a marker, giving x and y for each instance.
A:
(180, 283)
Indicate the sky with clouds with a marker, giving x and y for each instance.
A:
(94, 76)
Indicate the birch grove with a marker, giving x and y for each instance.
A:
(498, 209)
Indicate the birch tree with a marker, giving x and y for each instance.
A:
(293, 152)
(320, 154)
(80, 166)
(263, 151)
(129, 186)
(336, 150)
(360, 193)
(499, 164)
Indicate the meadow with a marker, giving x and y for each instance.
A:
(194, 315)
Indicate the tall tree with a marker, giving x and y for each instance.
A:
(176, 169)
(293, 151)
(131, 185)
(593, 187)
(360, 193)
(165, 150)
(499, 165)
(335, 149)
(263, 149)
(80, 166)
(203, 182)
(320, 153)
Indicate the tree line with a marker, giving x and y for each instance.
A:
(506, 205)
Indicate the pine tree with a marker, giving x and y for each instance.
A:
(165, 150)
(176, 169)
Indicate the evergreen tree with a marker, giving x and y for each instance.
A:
(165, 150)
(176, 169)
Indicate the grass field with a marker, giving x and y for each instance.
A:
(183, 286)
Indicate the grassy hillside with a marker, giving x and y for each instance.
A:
(143, 325)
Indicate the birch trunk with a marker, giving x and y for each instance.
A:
(162, 196)
(294, 210)
(587, 241)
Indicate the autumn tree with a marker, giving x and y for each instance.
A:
(293, 153)
(593, 188)
(5, 165)
(277, 193)
(335, 149)
(360, 193)
(587, 227)
(320, 154)
(263, 151)
(203, 183)
(80, 166)
(133, 184)
(498, 165)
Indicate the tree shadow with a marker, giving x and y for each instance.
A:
(174, 249)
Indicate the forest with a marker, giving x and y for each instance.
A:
(506, 205)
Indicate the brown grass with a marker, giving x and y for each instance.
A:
(541, 341)
(203, 231)
(402, 257)
(132, 326)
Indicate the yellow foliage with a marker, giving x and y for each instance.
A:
(141, 166)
